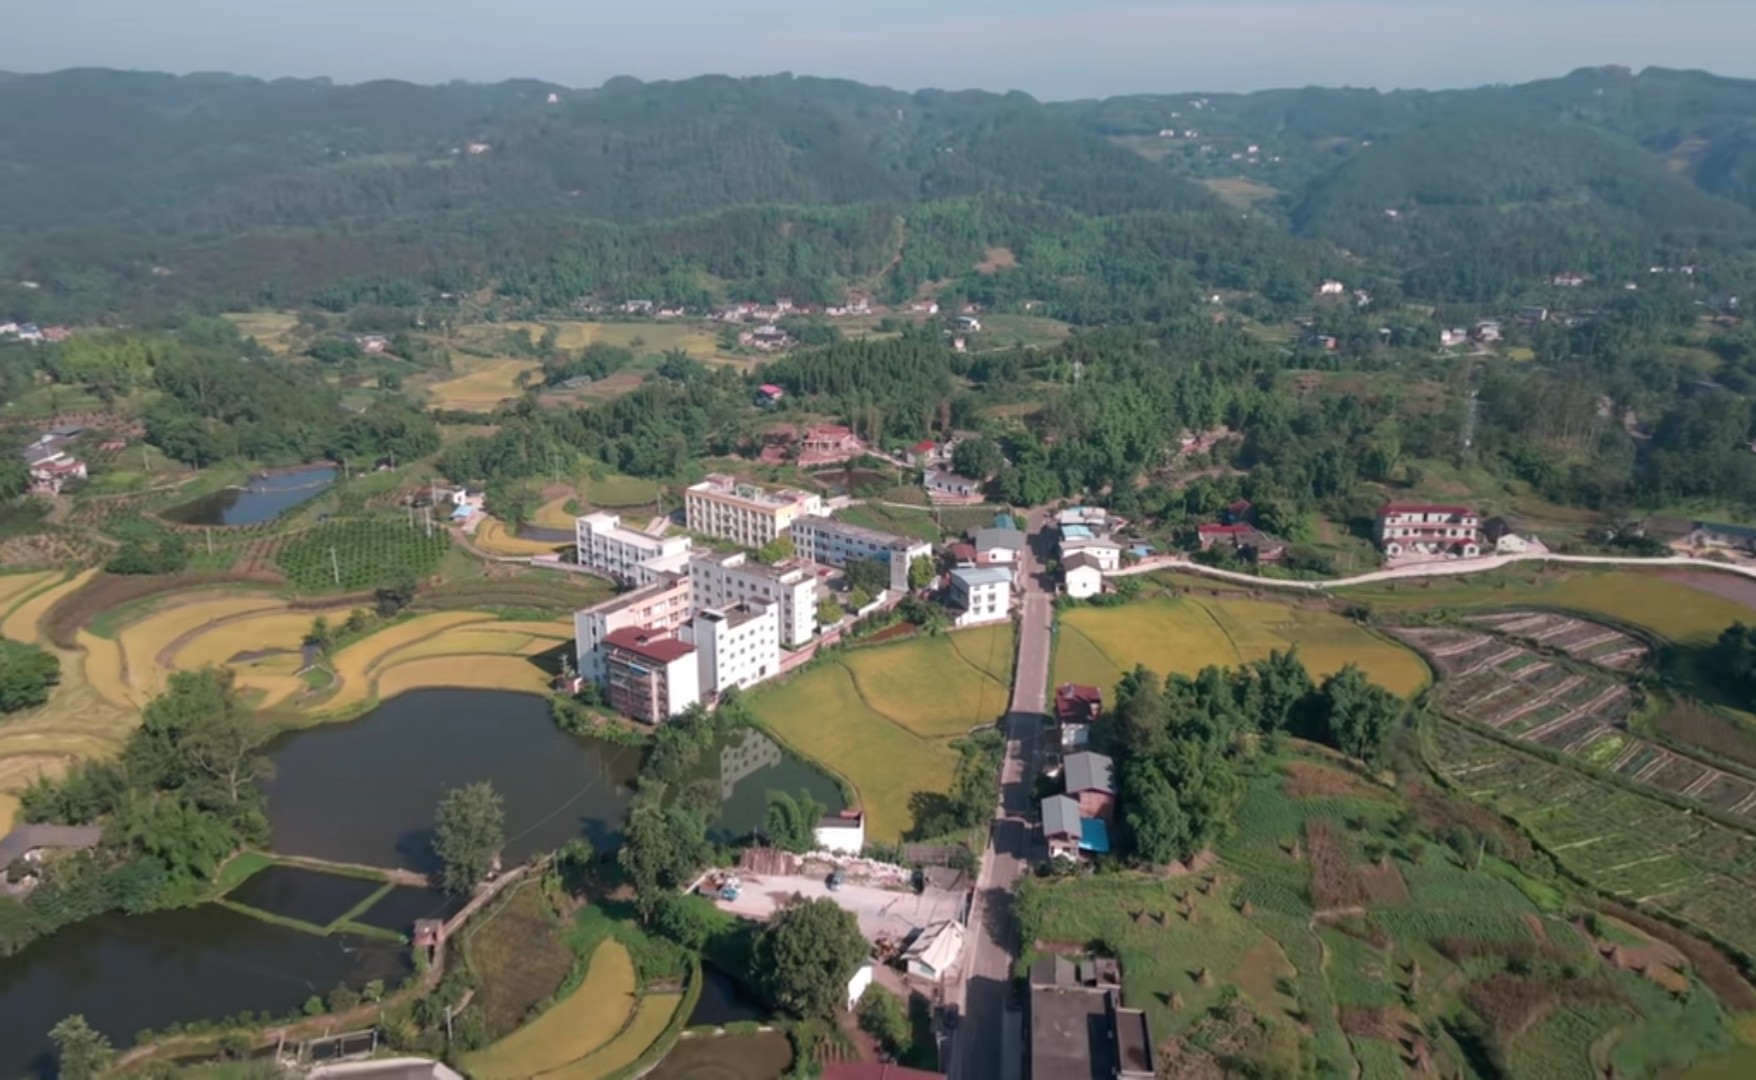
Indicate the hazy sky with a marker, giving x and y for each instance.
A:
(1050, 48)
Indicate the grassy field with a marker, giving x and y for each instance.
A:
(554, 513)
(883, 717)
(1097, 645)
(587, 1020)
(618, 492)
(271, 329)
(480, 385)
(495, 538)
(1332, 928)
(643, 338)
(651, 1017)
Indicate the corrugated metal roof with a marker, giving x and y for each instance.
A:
(1087, 771)
(1060, 816)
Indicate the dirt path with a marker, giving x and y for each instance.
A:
(1701, 569)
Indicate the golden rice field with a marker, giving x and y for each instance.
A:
(1096, 646)
(653, 338)
(24, 621)
(15, 587)
(553, 514)
(143, 640)
(272, 329)
(462, 673)
(483, 385)
(493, 537)
(585, 1021)
(884, 717)
(651, 1017)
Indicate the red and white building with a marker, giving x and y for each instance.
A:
(649, 674)
(1405, 530)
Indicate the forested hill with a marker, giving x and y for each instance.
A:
(124, 194)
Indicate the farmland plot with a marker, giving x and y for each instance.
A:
(1581, 710)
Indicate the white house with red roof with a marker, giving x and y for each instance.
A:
(1428, 530)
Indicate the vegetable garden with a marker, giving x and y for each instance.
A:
(360, 554)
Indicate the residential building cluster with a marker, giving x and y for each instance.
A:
(50, 461)
(1078, 1026)
(1427, 530)
(1087, 549)
(745, 514)
(32, 334)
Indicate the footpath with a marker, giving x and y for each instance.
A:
(1423, 569)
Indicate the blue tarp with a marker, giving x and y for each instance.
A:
(1075, 532)
(460, 513)
(1094, 836)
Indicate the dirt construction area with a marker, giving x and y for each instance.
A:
(884, 914)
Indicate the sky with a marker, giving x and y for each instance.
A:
(1053, 49)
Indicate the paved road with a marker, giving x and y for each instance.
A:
(990, 1040)
(1427, 569)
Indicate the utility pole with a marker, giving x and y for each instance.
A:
(209, 532)
(335, 564)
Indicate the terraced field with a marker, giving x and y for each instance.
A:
(1582, 710)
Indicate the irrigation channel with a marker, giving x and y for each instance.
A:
(263, 498)
(361, 793)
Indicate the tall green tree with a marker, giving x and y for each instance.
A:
(791, 821)
(1358, 717)
(806, 955)
(469, 831)
(27, 674)
(81, 1051)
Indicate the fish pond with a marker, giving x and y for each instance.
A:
(365, 791)
(263, 498)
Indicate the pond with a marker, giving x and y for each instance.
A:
(365, 791)
(725, 1001)
(126, 973)
(262, 498)
(763, 1056)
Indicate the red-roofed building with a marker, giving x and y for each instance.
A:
(923, 453)
(1076, 704)
(1428, 529)
(651, 676)
(769, 394)
(1241, 512)
(828, 444)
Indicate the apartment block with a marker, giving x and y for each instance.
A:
(649, 674)
(745, 514)
(838, 543)
(722, 581)
(736, 646)
(663, 605)
(628, 555)
(1425, 529)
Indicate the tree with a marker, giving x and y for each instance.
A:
(807, 954)
(27, 674)
(392, 598)
(870, 575)
(1357, 717)
(791, 822)
(922, 571)
(883, 1017)
(977, 458)
(828, 611)
(81, 1051)
(469, 830)
(778, 550)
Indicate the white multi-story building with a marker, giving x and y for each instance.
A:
(837, 543)
(736, 646)
(649, 674)
(1422, 529)
(664, 605)
(744, 513)
(722, 581)
(981, 594)
(1106, 552)
(626, 554)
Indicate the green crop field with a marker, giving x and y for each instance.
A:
(884, 717)
(617, 492)
(1243, 955)
(1097, 645)
(360, 554)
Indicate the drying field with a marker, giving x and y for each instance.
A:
(1097, 645)
(1335, 926)
(884, 717)
(1581, 709)
(1622, 842)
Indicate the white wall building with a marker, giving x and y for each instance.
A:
(844, 832)
(722, 581)
(1106, 552)
(838, 543)
(665, 604)
(1426, 529)
(862, 978)
(649, 674)
(744, 513)
(981, 593)
(737, 646)
(607, 547)
(1083, 576)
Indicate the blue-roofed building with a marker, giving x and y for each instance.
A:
(1005, 521)
(1094, 836)
(1076, 532)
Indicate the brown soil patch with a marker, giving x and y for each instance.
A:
(1383, 883)
(1260, 969)
(1512, 1004)
(1337, 885)
(996, 259)
(1306, 780)
(1739, 590)
(1720, 975)
(1654, 960)
(1537, 927)
(1202, 862)
(1439, 810)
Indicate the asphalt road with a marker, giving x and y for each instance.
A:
(989, 1044)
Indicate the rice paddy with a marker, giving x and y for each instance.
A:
(493, 537)
(1096, 646)
(482, 386)
(883, 717)
(589, 1019)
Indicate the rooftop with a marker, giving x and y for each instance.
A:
(1060, 816)
(938, 946)
(736, 615)
(27, 838)
(973, 576)
(1068, 1036)
(848, 529)
(1076, 532)
(1086, 771)
(651, 645)
(1094, 836)
(1423, 508)
(729, 487)
(635, 597)
(1081, 560)
(875, 1070)
(610, 526)
(999, 539)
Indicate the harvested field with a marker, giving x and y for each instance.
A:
(1185, 635)
(483, 386)
(463, 673)
(1309, 780)
(554, 515)
(587, 1020)
(651, 1017)
(142, 642)
(1581, 639)
(356, 664)
(25, 622)
(495, 538)
(15, 587)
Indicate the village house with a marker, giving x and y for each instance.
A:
(921, 454)
(1075, 541)
(1078, 704)
(1090, 780)
(1063, 832)
(1082, 575)
(49, 463)
(829, 444)
(1488, 331)
(604, 545)
(1331, 288)
(723, 580)
(1405, 529)
(1078, 1027)
(1568, 279)
(934, 950)
(980, 594)
(769, 394)
(969, 324)
(949, 488)
(997, 546)
(29, 845)
(1246, 541)
(844, 832)
(1453, 338)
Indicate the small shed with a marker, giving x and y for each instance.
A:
(934, 951)
(429, 933)
(857, 985)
